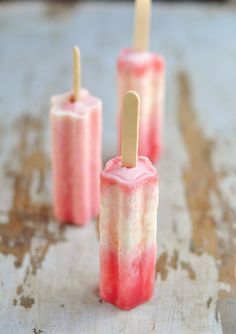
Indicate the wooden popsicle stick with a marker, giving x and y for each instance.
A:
(76, 73)
(130, 127)
(142, 24)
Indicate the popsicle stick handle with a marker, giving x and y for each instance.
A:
(130, 127)
(142, 24)
(76, 73)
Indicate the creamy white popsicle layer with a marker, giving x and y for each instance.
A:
(76, 128)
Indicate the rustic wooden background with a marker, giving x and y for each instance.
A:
(49, 274)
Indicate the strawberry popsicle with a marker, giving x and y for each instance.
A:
(144, 72)
(128, 218)
(76, 155)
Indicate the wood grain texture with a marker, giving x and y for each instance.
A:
(130, 129)
(48, 273)
(76, 73)
(142, 22)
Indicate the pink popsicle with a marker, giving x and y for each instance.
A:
(76, 156)
(128, 218)
(144, 72)
(128, 213)
(140, 70)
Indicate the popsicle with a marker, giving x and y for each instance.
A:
(76, 127)
(144, 72)
(128, 219)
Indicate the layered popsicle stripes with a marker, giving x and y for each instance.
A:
(76, 156)
(128, 210)
(144, 72)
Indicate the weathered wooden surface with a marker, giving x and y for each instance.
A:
(49, 274)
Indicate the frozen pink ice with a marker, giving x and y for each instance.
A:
(128, 219)
(144, 72)
(76, 156)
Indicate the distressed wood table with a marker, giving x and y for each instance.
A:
(48, 273)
